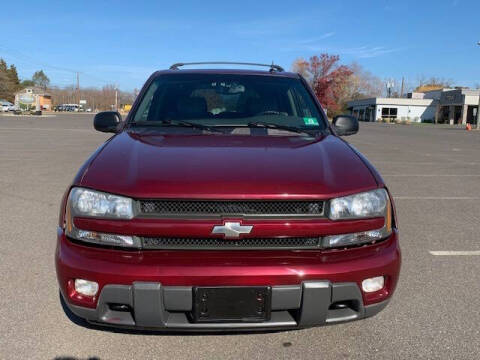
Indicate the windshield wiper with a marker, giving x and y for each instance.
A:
(181, 123)
(278, 127)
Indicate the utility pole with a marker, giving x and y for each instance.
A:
(478, 108)
(116, 99)
(401, 91)
(78, 88)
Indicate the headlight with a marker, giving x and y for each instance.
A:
(364, 205)
(91, 203)
(370, 204)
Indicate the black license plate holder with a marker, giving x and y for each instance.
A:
(232, 304)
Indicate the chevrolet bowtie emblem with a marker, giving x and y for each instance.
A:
(232, 229)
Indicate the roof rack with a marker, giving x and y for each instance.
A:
(272, 66)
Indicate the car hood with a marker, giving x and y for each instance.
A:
(223, 166)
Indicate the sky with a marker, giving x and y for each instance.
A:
(123, 42)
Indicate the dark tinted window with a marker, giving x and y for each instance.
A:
(229, 100)
(389, 112)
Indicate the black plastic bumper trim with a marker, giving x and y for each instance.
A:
(155, 307)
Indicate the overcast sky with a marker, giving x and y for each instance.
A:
(123, 42)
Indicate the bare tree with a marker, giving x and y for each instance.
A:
(361, 84)
(301, 66)
(99, 99)
(40, 79)
(432, 83)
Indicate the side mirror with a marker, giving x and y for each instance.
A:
(345, 125)
(107, 121)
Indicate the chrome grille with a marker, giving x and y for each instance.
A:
(174, 243)
(231, 208)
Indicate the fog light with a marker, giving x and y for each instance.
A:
(85, 287)
(373, 284)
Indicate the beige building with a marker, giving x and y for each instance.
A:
(35, 97)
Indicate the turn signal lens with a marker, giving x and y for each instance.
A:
(343, 240)
(105, 239)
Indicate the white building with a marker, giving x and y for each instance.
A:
(451, 106)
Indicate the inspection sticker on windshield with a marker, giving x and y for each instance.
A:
(311, 121)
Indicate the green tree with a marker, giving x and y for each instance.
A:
(3, 66)
(40, 79)
(4, 93)
(27, 83)
(13, 76)
(9, 82)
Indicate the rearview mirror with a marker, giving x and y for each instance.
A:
(345, 125)
(107, 121)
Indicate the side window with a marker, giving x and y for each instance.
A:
(144, 108)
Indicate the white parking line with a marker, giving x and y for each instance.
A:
(389, 162)
(432, 175)
(435, 198)
(455, 253)
(44, 129)
(409, 162)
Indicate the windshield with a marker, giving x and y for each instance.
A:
(224, 100)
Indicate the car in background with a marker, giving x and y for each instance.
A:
(68, 107)
(6, 106)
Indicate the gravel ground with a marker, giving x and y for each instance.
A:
(433, 172)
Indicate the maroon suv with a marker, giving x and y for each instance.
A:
(224, 201)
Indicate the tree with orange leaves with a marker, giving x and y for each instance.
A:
(327, 78)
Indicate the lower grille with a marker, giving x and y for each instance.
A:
(286, 243)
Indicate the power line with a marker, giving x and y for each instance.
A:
(31, 61)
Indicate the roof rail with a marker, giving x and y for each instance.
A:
(272, 67)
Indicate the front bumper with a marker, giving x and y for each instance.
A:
(153, 306)
(156, 286)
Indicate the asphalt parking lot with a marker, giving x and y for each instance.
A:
(433, 173)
